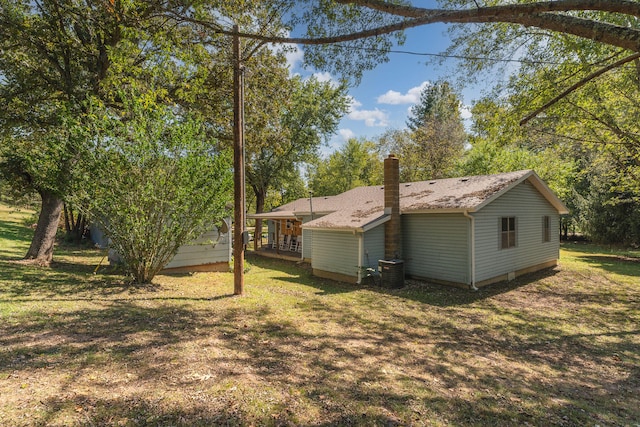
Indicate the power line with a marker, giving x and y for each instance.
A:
(474, 58)
(442, 55)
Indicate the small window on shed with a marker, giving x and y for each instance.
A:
(546, 229)
(508, 232)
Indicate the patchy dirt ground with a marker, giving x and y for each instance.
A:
(558, 348)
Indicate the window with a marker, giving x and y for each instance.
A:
(508, 233)
(546, 229)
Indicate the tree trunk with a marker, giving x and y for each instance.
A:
(67, 221)
(75, 225)
(257, 236)
(78, 230)
(82, 229)
(41, 250)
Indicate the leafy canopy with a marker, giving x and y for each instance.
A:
(153, 181)
(356, 164)
(435, 137)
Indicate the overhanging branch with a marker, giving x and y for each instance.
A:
(625, 7)
(541, 15)
(578, 85)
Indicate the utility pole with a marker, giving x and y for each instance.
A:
(238, 168)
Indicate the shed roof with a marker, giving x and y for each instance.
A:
(363, 208)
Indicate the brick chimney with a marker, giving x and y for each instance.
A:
(392, 227)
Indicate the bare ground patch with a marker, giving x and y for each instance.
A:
(552, 349)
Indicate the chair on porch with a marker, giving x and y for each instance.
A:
(284, 243)
(294, 244)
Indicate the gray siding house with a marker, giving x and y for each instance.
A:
(469, 231)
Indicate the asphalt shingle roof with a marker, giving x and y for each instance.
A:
(362, 206)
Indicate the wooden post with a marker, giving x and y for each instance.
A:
(238, 168)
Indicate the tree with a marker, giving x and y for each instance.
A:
(574, 99)
(486, 157)
(499, 143)
(435, 139)
(40, 160)
(437, 131)
(594, 122)
(349, 36)
(569, 91)
(287, 121)
(354, 33)
(401, 143)
(438, 101)
(606, 212)
(76, 224)
(153, 182)
(62, 51)
(55, 55)
(356, 164)
(588, 162)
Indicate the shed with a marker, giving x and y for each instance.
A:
(209, 252)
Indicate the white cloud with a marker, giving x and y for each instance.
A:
(353, 103)
(347, 134)
(323, 77)
(326, 77)
(395, 98)
(333, 144)
(370, 118)
(294, 56)
(465, 112)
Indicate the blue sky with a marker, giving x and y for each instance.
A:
(386, 93)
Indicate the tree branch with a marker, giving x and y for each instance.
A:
(614, 35)
(578, 85)
(625, 7)
(528, 14)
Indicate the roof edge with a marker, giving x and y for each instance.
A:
(378, 221)
(438, 211)
(339, 229)
(551, 197)
(273, 215)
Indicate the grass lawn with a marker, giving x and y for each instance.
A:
(560, 347)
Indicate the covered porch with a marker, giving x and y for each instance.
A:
(284, 236)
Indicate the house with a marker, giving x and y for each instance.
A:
(469, 231)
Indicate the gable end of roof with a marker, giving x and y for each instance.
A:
(537, 183)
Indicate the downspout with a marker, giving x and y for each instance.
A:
(473, 249)
(360, 253)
